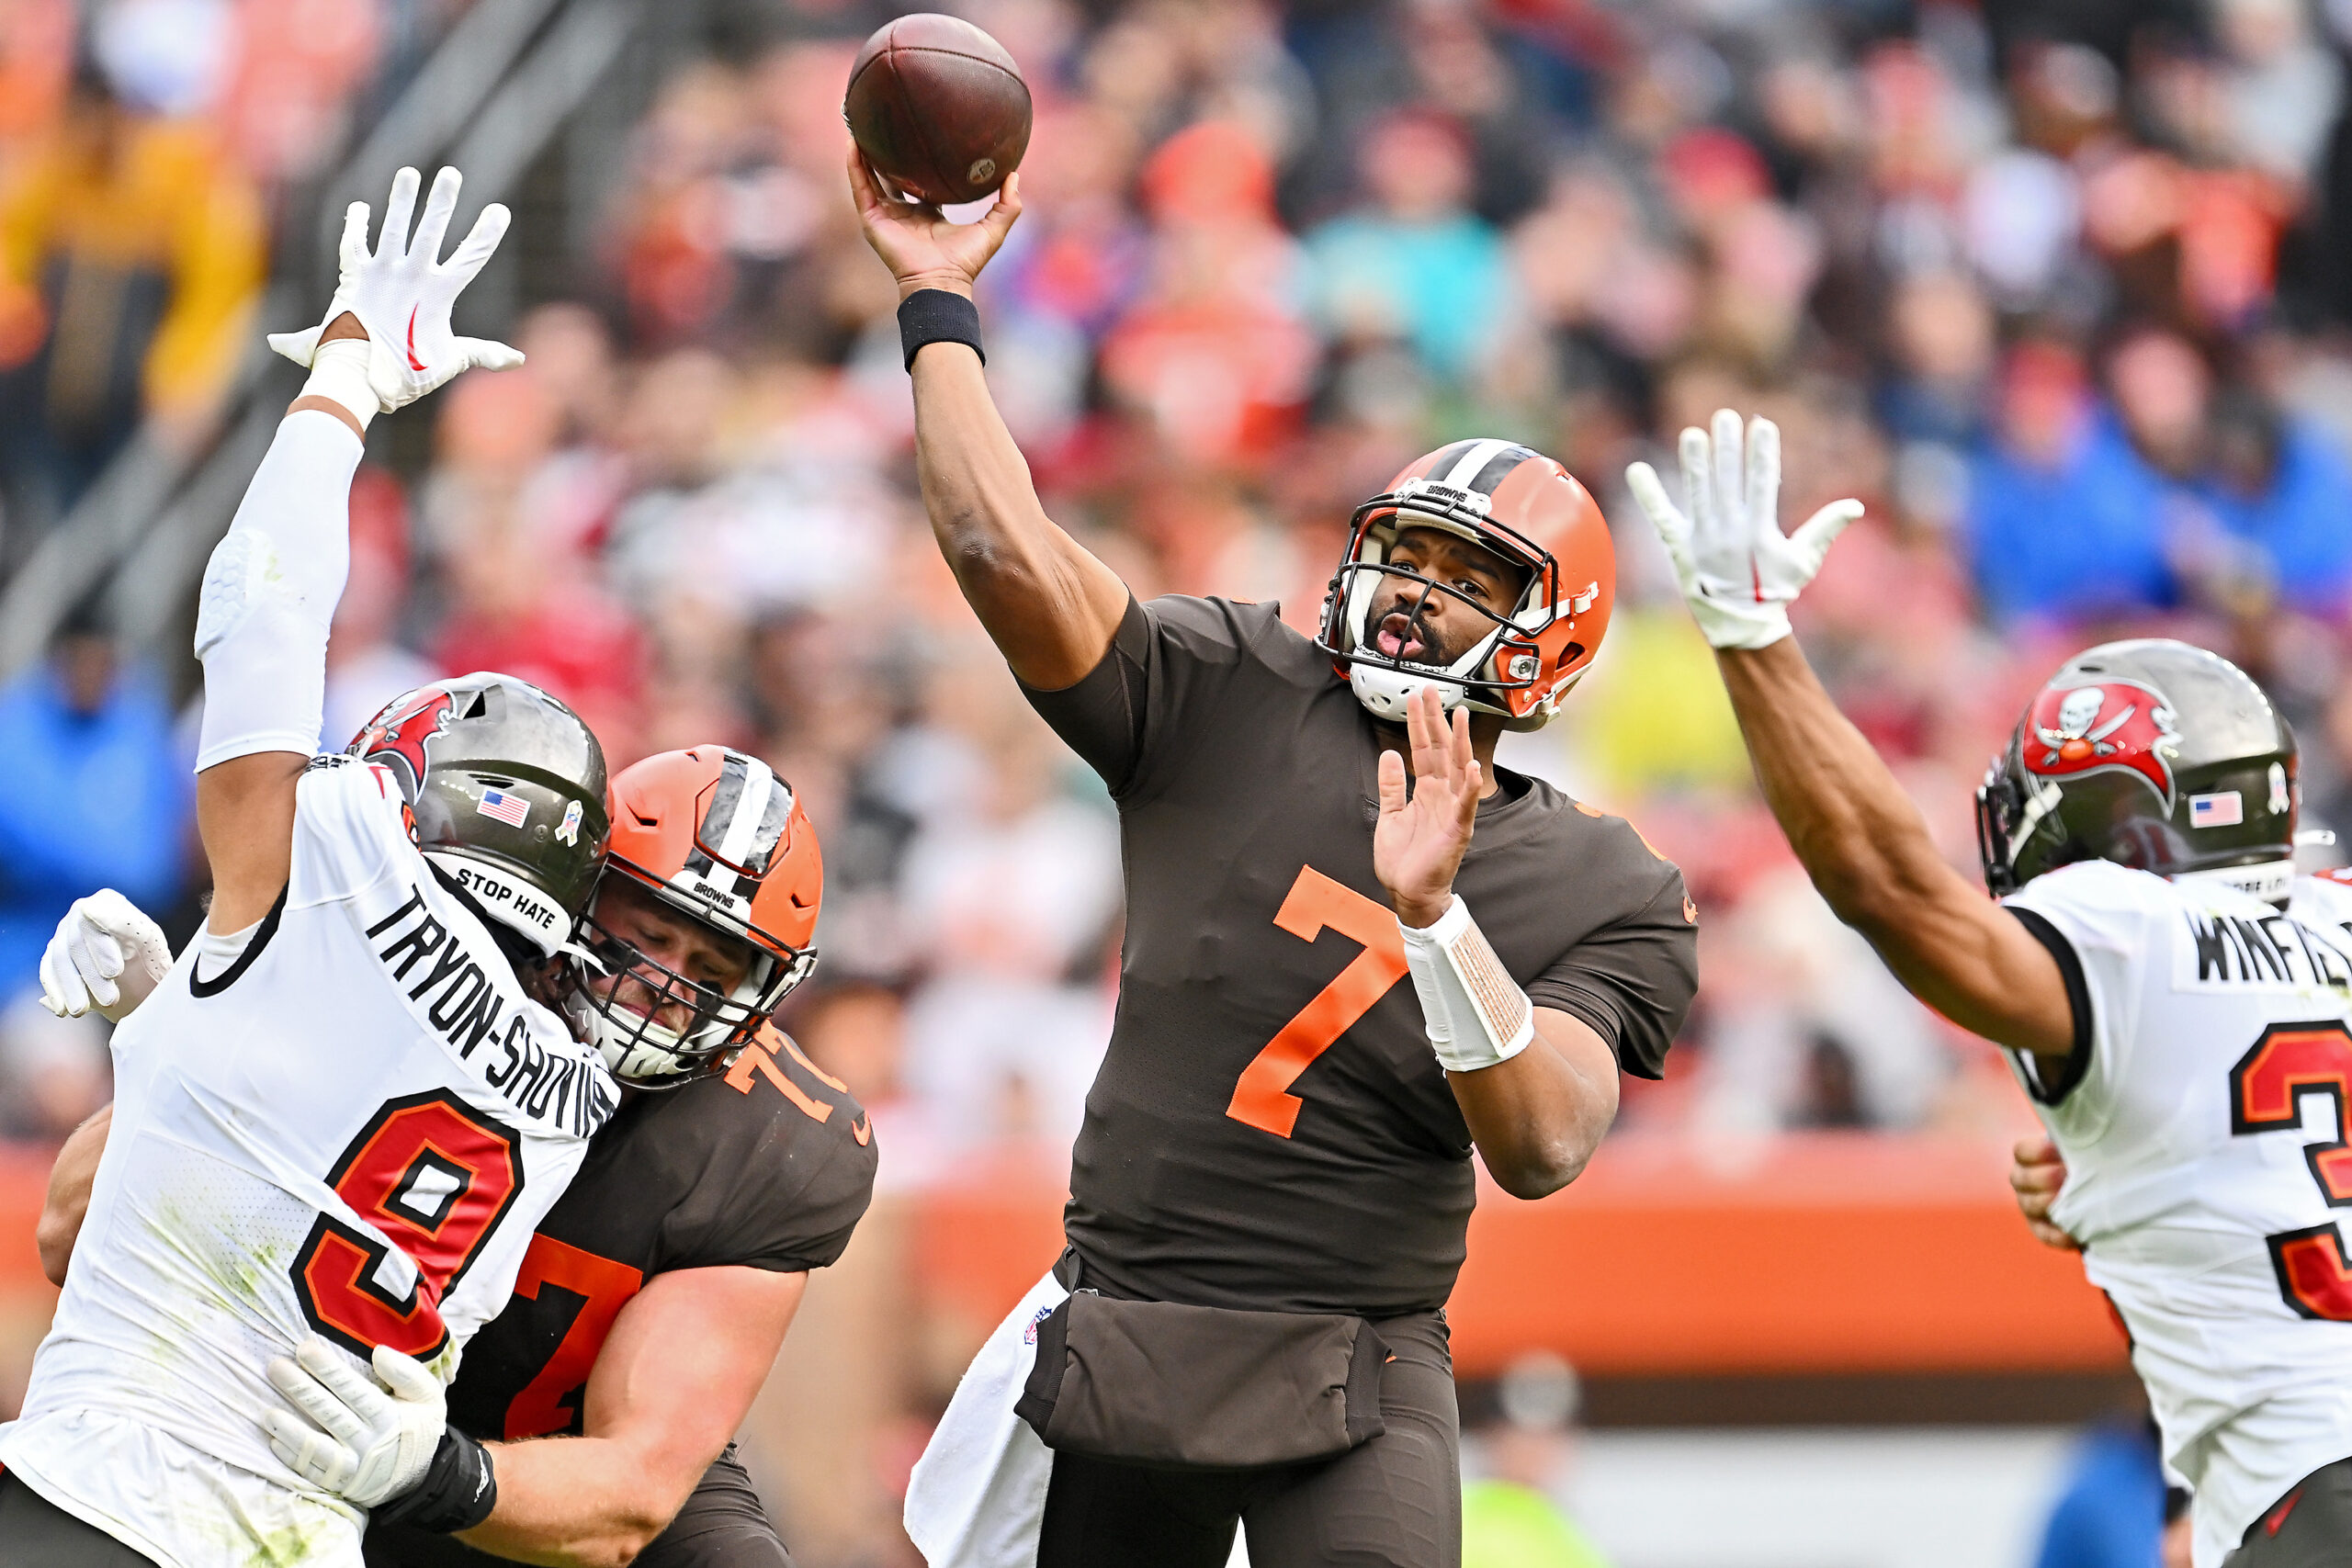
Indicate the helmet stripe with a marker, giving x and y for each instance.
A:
(1498, 468)
(731, 825)
(1476, 455)
(1435, 465)
(768, 831)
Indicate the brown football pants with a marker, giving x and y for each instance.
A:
(1394, 1502)
(2311, 1526)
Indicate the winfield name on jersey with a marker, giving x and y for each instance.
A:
(2266, 950)
(464, 1010)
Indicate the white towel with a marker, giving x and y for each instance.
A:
(976, 1498)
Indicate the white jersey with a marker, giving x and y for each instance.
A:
(353, 1130)
(2206, 1167)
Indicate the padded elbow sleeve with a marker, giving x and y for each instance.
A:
(269, 594)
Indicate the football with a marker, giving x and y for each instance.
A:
(938, 107)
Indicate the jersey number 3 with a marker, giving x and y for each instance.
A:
(436, 1175)
(2267, 1087)
(1262, 1098)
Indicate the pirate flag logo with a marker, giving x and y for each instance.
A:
(400, 737)
(2116, 724)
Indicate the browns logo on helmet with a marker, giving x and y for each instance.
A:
(715, 837)
(1527, 510)
(2152, 753)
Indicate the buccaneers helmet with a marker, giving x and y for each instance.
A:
(2152, 754)
(716, 836)
(507, 787)
(1525, 508)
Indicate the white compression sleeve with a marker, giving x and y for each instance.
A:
(270, 590)
(1475, 1013)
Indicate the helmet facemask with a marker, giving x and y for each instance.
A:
(656, 1027)
(1504, 658)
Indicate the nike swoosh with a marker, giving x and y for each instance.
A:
(862, 1131)
(413, 362)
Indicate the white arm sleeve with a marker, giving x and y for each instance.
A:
(270, 590)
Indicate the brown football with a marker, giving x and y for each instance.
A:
(938, 107)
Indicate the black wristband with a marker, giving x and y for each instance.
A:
(457, 1492)
(933, 315)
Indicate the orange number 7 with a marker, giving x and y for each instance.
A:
(1262, 1098)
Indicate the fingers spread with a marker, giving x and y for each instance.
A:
(1698, 485)
(1811, 543)
(479, 243)
(1729, 447)
(353, 248)
(488, 353)
(393, 239)
(1763, 472)
(439, 207)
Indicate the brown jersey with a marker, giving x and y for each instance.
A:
(1270, 1128)
(770, 1166)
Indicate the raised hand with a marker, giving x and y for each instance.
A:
(917, 244)
(1738, 571)
(402, 293)
(1418, 843)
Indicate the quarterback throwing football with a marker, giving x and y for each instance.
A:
(342, 1111)
(2171, 997)
(1330, 992)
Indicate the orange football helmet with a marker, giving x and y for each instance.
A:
(1525, 508)
(716, 836)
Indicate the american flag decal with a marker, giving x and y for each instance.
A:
(509, 810)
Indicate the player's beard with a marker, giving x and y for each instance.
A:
(1403, 632)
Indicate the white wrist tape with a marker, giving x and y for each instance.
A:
(339, 374)
(1476, 1014)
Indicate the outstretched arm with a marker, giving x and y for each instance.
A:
(271, 587)
(1857, 833)
(1537, 1087)
(1049, 604)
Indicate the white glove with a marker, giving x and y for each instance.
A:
(363, 1444)
(107, 957)
(402, 294)
(1738, 571)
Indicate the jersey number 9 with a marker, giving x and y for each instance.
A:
(436, 1175)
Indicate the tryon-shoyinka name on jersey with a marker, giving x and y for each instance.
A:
(466, 1009)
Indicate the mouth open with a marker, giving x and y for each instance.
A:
(1399, 635)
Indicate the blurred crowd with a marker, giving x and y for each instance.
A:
(2056, 286)
(2049, 286)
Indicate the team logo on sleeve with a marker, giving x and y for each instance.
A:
(399, 739)
(2115, 723)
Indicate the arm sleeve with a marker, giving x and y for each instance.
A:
(270, 590)
(1166, 665)
(1630, 981)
